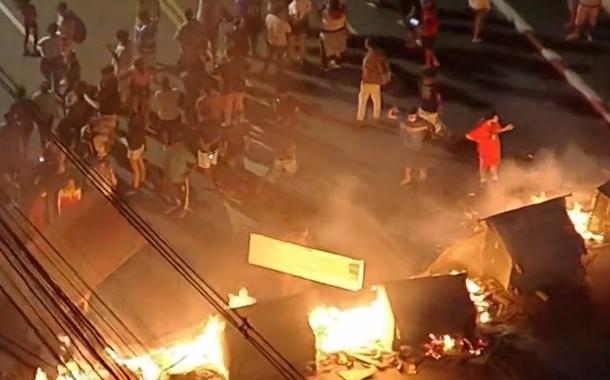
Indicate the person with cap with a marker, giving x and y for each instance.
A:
(414, 131)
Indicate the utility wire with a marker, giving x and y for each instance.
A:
(164, 248)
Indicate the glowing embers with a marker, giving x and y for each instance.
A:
(440, 346)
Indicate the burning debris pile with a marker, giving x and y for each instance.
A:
(356, 342)
(202, 357)
(580, 217)
(494, 304)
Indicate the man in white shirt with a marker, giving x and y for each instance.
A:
(586, 17)
(277, 38)
(298, 11)
(52, 63)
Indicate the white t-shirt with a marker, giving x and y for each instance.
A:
(277, 30)
(479, 4)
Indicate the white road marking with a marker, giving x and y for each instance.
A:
(7, 12)
(571, 77)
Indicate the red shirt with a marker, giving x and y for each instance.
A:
(430, 23)
(486, 135)
(28, 11)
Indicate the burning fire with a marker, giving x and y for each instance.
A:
(579, 217)
(446, 345)
(478, 298)
(203, 352)
(359, 329)
(241, 299)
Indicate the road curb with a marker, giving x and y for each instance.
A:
(555, 59)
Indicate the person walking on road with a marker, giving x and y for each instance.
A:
(233, 74)
(375, 73)
(586, 18)
(30, 25)
(431, 101)
(413, 132)
(140, 92)
(190, 38)
(109, 99)
(71, 27)
(486, 135)
(298, 12)
(250, 11)
(429, 31)
(481, 9)
(52, 63)
(333, 37)
(210, 13)
(277, 37)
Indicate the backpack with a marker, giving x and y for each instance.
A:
(80, 29)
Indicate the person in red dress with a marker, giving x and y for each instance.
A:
(487, 136)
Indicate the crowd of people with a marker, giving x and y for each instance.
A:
(202, 122)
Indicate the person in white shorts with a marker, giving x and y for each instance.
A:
(586, 17)
(480, 9)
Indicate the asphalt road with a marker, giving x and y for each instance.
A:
(349, 175)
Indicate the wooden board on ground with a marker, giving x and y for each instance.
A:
(311, 264)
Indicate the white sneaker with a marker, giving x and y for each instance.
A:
(333, 65)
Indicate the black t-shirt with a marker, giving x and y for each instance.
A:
(233, 72)
(429, 97)
(109, 97)
(136, 136)
(209, 136)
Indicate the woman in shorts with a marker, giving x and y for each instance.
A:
(136, 142)
(481, 9)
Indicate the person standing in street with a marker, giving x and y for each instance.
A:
(152, 6)
(178, 165)
(481, 9)
(30, 24)
(232, 71)
(49, 105)
(169, 102)
(123, 55)
(145, 35)
(210, 13)
(413, 131)
(429, 31)
(136, 145)
(277, 37)
(190, 37)
(298, 13)
(431, 101)
(71, 27)
(375, 73)
(52, 63)
(586, 18)
(109, 100)
(250, 11)
(140, 91)
(486, 135)
(333, 36)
